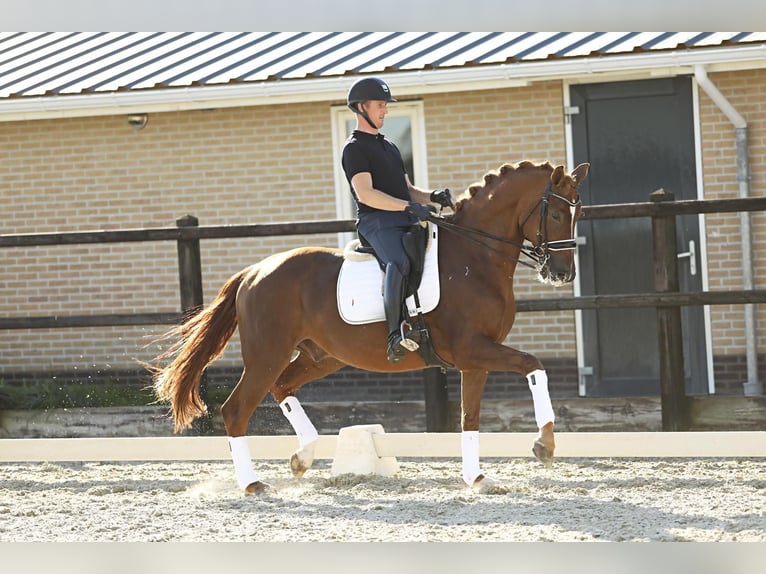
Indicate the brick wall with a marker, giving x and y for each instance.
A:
(747, 93)
(275, 163)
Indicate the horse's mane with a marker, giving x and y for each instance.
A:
(493, 177)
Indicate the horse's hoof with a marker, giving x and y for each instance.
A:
(485, 484)
(256, 488)
(302, 460)
(543, 453)
(297, 466)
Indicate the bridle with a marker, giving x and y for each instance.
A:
(540, 253)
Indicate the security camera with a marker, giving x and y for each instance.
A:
(138, 121)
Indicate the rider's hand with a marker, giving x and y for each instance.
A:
(443, 197)
(418, 210)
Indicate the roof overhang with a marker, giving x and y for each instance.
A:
(410, 83)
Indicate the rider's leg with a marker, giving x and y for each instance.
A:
(393, 297)
(384, 232)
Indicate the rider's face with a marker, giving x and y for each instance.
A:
(377, 110)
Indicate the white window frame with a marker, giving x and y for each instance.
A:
(344, 203)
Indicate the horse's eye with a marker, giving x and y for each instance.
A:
(556, 217)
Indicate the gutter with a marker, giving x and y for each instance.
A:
(466, 78)
(752, 386)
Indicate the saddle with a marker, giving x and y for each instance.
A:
(415, 242)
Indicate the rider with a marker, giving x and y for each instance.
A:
(387, 202)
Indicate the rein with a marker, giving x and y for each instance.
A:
(540, 253)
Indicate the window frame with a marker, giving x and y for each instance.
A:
(345, 207)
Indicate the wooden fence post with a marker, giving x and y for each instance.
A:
(675, 403)
(437, 403)
(190, 285)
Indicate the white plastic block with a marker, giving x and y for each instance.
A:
(355, 453)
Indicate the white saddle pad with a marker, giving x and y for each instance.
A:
(360, 286)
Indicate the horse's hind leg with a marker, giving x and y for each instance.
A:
(236, 412)
(305, 368)
(261, 361)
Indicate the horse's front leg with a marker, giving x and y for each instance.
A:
(471, 389)
(486, 356)
(544, 444)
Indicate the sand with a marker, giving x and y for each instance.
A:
(575, 500)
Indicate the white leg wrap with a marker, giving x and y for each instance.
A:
(301, 424)
(538, 384)
(470, 449)
(243, 464)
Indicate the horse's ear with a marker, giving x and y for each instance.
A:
(557, 176)
(580, 173)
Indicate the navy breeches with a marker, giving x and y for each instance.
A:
(384, 231)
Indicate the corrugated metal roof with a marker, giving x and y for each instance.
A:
(53, 63)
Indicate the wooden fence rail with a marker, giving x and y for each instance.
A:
(612, 211)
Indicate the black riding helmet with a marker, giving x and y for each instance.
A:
(368, 89)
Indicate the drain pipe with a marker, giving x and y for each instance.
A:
(752, 386)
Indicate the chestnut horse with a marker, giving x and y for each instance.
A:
(291, 331)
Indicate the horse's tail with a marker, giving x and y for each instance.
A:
(203, 338)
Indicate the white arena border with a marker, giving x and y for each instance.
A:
(415, 445)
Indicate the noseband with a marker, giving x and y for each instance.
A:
(541, 251)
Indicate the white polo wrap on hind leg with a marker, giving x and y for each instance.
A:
(538, 384)
(470, 448)
(301, 424)
(243, 464)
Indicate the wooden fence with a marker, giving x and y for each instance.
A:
(666, 299)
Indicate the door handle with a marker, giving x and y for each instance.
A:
(692, 255)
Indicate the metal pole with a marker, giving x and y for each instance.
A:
(752, 386)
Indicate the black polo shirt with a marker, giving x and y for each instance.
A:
(380, 157)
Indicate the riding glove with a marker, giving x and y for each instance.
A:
(443, 197)
(418, 210)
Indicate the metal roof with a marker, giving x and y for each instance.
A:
(42, 64)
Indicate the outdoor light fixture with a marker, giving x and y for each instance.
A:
(138, 121)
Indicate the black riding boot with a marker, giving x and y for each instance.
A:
(393, 300)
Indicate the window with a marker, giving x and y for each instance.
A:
(404, 126)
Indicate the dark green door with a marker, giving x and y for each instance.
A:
(638, 136)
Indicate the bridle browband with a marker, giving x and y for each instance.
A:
(540, 252)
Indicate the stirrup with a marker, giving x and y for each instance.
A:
(396, 352)
(406, 342)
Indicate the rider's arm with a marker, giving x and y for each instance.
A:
(418, 195)
(367, 194)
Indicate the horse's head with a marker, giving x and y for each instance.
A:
(550, 225)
